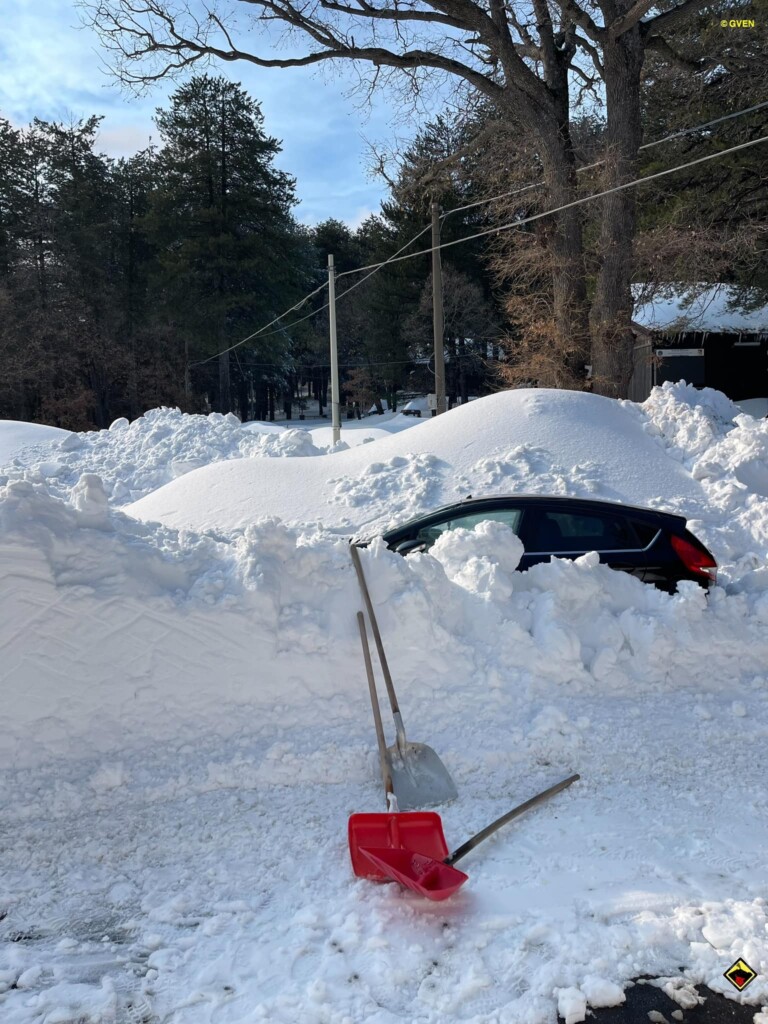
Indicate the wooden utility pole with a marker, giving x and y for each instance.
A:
(437, 310)
(335, 419)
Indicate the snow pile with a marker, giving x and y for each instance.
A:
(134, 459)
(727, 452)
(528, 440)
(186, 724)
(16, 436)
(742, 454)
(688, 420)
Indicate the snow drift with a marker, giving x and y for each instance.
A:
(537, 440)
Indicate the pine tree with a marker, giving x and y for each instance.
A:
(221, 220)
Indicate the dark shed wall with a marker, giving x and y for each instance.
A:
(735, 364)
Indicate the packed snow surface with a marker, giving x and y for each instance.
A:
(185, 725)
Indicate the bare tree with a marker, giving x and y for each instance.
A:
(525, 56)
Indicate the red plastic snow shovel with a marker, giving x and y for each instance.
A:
(436, 878)
(427, 876)
(393, 830)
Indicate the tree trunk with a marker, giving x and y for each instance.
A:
(550, 123)
(261, 409)
(563, 234)
(224, 396)
(612, 338)
(463, 393)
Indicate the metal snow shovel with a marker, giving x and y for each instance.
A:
(419, 777)
(409, 830)
(435, 878)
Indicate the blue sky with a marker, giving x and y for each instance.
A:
(50, 68)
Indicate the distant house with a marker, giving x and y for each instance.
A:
(703, 335)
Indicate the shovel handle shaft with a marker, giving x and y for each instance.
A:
(470, 844)
(376, 634)
(386, 775)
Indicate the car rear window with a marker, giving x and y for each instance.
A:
(645, 532)
(578, 531)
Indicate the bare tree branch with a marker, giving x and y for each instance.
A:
(660, 45)
(630, 19)
(579, 16)
(593, 52)
(395, 15)
(666, 20)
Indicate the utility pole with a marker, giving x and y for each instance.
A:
(335, 421)
(437, 310)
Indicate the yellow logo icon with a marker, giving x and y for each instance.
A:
(740, 975)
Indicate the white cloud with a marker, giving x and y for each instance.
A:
(51, 68)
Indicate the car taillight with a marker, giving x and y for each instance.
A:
(693, 558)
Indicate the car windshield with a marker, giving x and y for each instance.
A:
(509, 516)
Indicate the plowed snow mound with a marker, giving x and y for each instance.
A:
(543, 441)
(16, 436)
(134, 459)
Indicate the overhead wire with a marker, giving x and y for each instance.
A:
(576, 202)
(396, 257)
(599, 163)
(297, 305)
(285, 327)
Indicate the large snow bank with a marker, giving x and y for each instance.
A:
(134, 459)
(185, 729)
(543, 441)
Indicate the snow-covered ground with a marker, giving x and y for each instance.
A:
(185, 726)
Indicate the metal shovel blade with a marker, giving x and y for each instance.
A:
(419, 777)
(425, 875)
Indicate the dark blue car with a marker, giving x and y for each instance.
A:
(657, 547)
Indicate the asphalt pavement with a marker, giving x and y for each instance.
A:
(646, 1003)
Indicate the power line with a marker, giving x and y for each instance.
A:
(347, 364)
(576, 202)
(396, 257)
(378, 266)
(298, 305)
(286, 327)
(590, 167)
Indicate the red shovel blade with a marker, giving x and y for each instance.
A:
(417, 831)
(425, 875)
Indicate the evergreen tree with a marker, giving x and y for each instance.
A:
(220, 218)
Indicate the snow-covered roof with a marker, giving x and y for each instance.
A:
(700, 308)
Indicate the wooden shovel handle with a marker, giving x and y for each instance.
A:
(496, 825)
(386, 775)
(375, 627)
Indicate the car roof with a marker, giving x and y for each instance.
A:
(596, 504)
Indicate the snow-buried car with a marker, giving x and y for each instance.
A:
(657, 547)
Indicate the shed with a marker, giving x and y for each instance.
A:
(707, 335)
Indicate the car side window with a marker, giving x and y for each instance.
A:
(509, 516)
(570, 532)
(645, 532)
